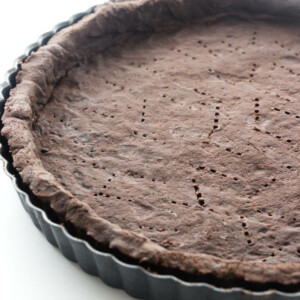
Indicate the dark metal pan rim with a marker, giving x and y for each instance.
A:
(58, 235)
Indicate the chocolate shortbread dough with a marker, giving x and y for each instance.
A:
(168, 132)
(189, 138)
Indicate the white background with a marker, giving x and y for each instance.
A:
(30, 268)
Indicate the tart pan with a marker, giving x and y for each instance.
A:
(134, 279)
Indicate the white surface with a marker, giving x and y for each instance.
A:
(30, 268)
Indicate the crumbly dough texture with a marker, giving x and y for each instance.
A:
(177, 145)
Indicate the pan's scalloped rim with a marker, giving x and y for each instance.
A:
(58, 236)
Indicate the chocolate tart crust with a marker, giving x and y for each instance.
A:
(37, 82)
